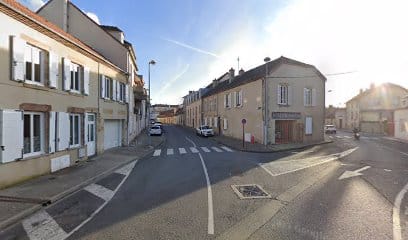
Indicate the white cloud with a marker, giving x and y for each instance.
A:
(34, 5)
(93, 16)
(191, 47)
(367, 36)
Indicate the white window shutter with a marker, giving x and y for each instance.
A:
(229, 100)
(11, 135)
(290, 95)
(309, 125)
(305, 97)
(86, 80)
(314, 97)
(240, 98)
(205, 121)
(102, 86)
(215, 122)
(53, 66)
(52, 132)
(127, 93)
(225, 101)
(115, 90)
(18, 61)
(278, 94)
(63, 131)
(225, 124)
(234, 99)
(67, 75)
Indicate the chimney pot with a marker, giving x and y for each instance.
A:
(231, 74)
(241, 71)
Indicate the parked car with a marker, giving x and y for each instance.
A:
(155, 130)
(330, 129)
(204, 131)
(160, 125)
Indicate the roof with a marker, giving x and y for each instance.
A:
(370, 90)
(167, 113)
(37, 19)
(111, 28)
(256, 74)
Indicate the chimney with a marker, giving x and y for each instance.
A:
(361, 90)
(214, 83)
(231, 75)
(241, 71)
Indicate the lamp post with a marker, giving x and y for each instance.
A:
(152, 62)
(266, 114)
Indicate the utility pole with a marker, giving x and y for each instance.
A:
(266, 113)
(152, 62)
(238, 64)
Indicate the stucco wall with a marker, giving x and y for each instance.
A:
(250, 110)
(302, 77)
(401, 123)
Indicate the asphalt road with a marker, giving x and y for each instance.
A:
(344, 190)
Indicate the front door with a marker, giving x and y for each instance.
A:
(90, 134)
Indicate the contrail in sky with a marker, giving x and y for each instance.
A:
(169, 83)
(191, 47)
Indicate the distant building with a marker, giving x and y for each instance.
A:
(401, 119)
(335, 116)
(372, 110)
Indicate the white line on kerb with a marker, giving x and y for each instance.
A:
(396, 218)
(156, 152)
(209, 193)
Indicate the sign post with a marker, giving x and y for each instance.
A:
(243, 121)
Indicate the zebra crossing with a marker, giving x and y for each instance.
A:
(187, 150)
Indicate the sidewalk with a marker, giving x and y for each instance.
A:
(396, 139)
(60, 184)
(260, 148)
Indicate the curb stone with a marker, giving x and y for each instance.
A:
(23, 214)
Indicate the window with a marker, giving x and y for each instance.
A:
(108, 93)
(238, 99)
(34, 64)
(227, 100)
(122, 92)
(283, 94)
(33, 133)
(309, 126)
(307, 97)
(76, 77)
(74, 130)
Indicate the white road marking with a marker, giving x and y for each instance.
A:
(347, 137)
(216, 149)
(387, 170)
(205, 149)
(210, 226)
(170, 151)
(157, 153)
(281, 167)
(125, 170)
(355, 173)
(194, 149)
(339, 136)
(99, 191)
(227, 149)
(42, 226)
(331, 137)
(182, 151)
(129, 167)
(396, 218)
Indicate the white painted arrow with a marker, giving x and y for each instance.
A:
(349, 174)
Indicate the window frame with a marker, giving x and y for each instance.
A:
(79, 78)
(41, 63)
(306, 125)
(42, 134)
(308, 96)
(72, 130)
(108, 88)
(284, 94)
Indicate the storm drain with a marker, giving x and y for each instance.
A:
(250, 191)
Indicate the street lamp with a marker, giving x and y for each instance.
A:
(266, 116)
(152, 62)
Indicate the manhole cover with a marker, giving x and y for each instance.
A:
(250, 191)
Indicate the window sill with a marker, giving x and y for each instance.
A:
(33, 156)
(35, 86)
(76, 94)
(73, 147)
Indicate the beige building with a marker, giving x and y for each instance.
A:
(401, 120)
(193, 111)
(372, 110)
(336, 116)
(287, 107)
(60, 100)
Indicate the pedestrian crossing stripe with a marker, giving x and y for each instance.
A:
(205, 149)
(171, 151)
(182, 151)
(194, 150)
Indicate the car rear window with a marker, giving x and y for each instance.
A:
(155, 127)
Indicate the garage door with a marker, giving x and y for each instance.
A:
(112, 133)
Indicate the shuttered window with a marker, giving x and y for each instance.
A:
(33, 133)
(308, 125)
(75, 130)
(34, 59)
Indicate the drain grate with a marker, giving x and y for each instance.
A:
(250, 191)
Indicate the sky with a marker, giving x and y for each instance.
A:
(194, 41)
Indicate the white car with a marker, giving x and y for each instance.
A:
(330, 129)
(155, 130)
(205, 131)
